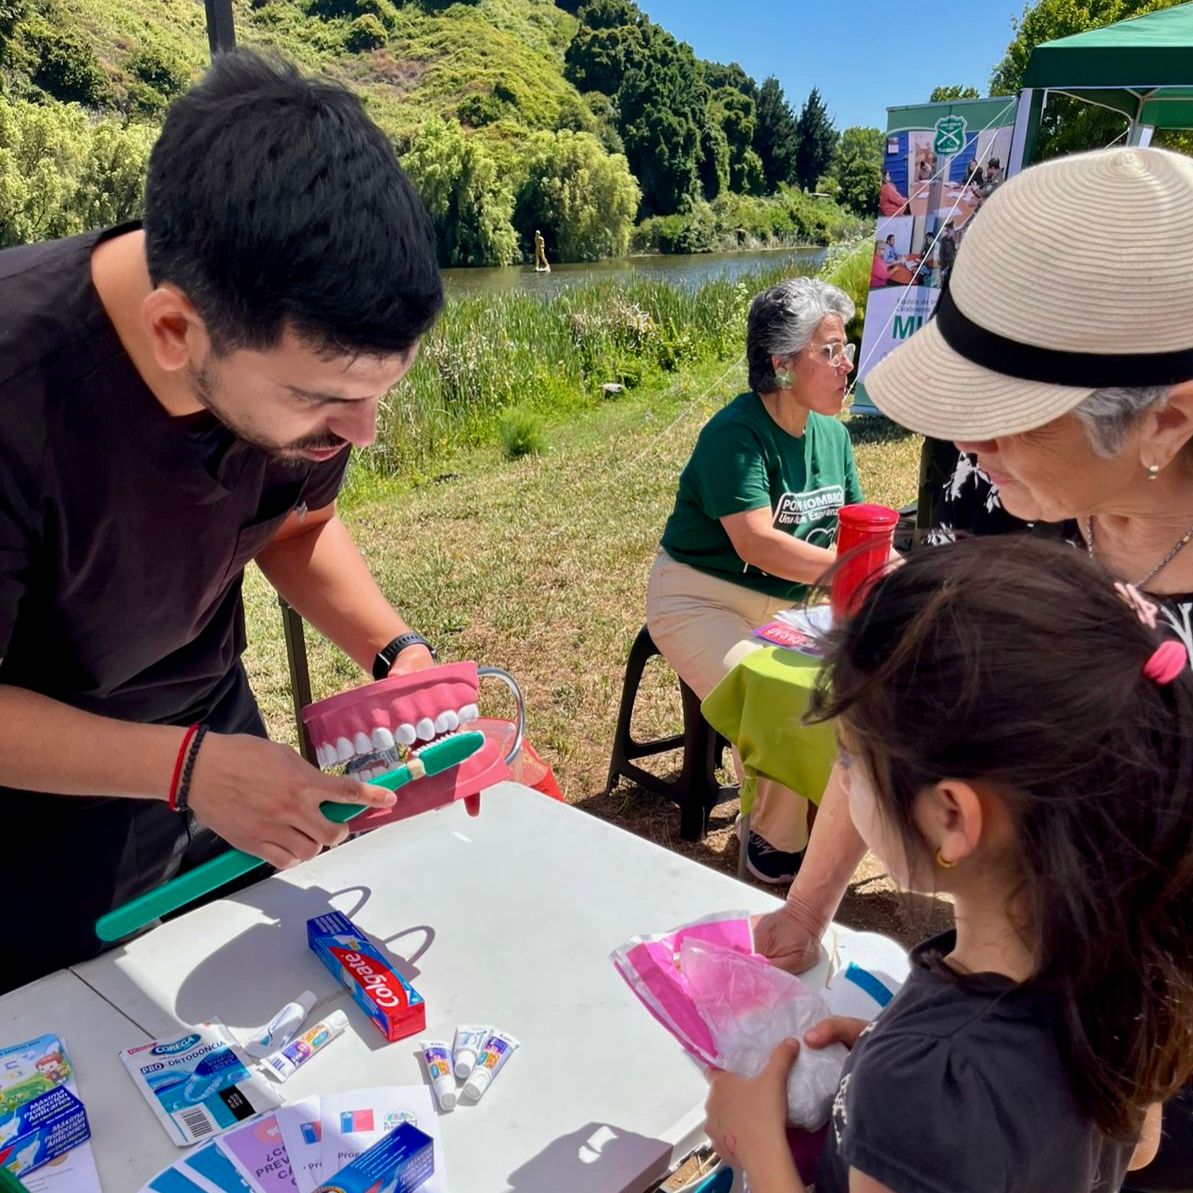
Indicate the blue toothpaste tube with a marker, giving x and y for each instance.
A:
(399, 1163)
(197, 1083)
(40, 1118)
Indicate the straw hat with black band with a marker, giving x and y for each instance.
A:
(1076, 275)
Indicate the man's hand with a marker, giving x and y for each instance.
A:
(746, 1119)
(263, 798)
(415, 657)
(789, 937)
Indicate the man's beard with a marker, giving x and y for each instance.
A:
(289, 453)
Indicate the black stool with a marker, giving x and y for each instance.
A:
(695, 789)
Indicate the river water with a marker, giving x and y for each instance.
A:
(689, 270)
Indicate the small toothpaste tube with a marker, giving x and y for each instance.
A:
(285, 1062)
(279, 1031)
(467, 1047)
(437, 1058)
(498, 1048)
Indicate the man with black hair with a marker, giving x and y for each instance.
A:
(176, 399)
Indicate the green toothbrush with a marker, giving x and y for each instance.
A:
(178, 892)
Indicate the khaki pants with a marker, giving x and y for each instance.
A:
(704, 626)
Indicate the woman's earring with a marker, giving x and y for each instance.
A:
(943, 863)
(784, 378)
(1153, 471)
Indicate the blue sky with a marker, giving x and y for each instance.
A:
(864, 55)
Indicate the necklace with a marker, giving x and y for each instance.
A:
(1179, 546)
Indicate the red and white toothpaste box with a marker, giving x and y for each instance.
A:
(386, 997)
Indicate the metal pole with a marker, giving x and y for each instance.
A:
(221, 30)
(300, 676)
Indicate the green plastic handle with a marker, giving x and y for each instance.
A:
(9, 1183)
(204, 878)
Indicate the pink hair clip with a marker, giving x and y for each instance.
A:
(1167, 661)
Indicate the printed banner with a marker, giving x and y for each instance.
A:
(942, 162)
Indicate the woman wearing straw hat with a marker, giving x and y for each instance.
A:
(1075, 397)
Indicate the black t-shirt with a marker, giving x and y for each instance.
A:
(962, 1089)
(124, 531)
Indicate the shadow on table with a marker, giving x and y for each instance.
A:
(597, 1158)
(265, 945)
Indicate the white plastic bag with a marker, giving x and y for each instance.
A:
(751, 1007)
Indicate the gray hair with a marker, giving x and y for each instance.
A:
(782, 322)
(1109, 414)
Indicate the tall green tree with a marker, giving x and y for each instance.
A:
(776, 139)
(717, 75)
(582, 199)
(608, 43)
(470, 204)
(657, 87)
(944, 95)
(63, 173)
(12, 13)
(714, 157)
(856, 170)
(1068, 125)
(662, 104)
(816, 141)
(734, 110)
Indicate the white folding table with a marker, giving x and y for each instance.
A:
(507, 918)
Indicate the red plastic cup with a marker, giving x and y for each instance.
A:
(864, 542)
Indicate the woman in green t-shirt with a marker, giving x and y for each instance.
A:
(755, 518)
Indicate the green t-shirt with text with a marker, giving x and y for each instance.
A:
(743, 460)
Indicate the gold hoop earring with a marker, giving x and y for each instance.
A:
(1153, 471)
(943, 863)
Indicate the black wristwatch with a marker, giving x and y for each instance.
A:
(386, 655)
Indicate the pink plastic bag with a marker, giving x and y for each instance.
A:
(751, 1008)
(650, 967)
(730, 1008)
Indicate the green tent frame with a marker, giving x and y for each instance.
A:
(1141, 68)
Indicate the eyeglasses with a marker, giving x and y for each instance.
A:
(837, 353)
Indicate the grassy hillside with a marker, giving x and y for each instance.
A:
(493, 63)
(477, 97)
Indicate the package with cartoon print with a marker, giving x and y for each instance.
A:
(40, 1118)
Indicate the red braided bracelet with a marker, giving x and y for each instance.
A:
(186, 741)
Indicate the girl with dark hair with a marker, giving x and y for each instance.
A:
(1017, 734)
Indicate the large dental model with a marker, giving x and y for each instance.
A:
(429, 717)
(207, 876)
(367, 729)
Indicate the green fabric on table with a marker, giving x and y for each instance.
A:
(758, 706)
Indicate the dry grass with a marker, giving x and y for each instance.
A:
(539, 566)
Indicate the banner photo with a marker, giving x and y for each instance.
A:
(942, 162)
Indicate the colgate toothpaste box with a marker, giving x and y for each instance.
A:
(386, 997)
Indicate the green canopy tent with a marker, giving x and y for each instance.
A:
(1141, 68)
